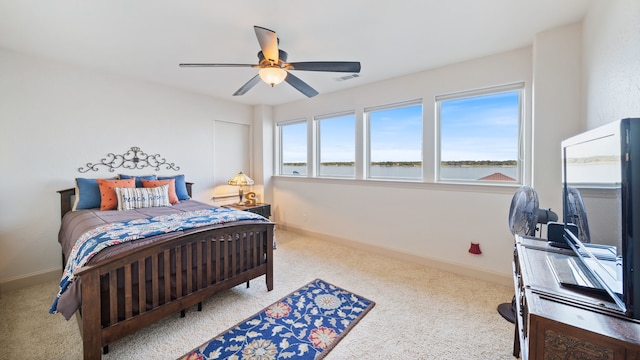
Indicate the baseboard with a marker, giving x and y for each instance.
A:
(29, 280)
(455, 268)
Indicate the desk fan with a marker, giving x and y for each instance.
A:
(523, 213)
(576, 213)
(524, 217)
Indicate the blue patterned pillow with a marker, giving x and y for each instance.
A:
(87, 194)
(135, 198)
(138, 178)
(181, 186)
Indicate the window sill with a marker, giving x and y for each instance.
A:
(507, 188)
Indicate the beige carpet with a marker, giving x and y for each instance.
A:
(420, 313)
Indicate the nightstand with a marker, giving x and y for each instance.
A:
(260, 209)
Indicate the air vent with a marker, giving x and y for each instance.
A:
(347, 77)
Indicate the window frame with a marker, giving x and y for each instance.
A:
(367, 140)
(318, 143)
(492, 90)
(280, 163)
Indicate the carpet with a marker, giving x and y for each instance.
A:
(305, 324)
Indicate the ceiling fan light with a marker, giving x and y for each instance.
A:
(272, 75)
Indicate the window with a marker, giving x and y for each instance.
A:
(293, 148)
(395, 141)
(336, 145)
(480, 135)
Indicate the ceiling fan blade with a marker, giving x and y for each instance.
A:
(268, 43)
(300, 85)
(247, 86)
(333, 66)
(219, 65)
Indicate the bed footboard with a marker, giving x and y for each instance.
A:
(128, 292)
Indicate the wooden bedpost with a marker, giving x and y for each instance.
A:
(91, 334)
(65, 200)
(269, 275)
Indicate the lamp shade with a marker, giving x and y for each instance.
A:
(240, 179)
(272, 75)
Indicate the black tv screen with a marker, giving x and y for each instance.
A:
(601, 197)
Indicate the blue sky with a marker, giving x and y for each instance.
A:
(294, 143)
(480, 128)
(476, 128)
(338, 136)
(396, 134)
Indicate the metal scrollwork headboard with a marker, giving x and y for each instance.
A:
(132, 159)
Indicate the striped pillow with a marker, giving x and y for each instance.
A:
(135, 198)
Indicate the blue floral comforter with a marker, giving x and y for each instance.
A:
(101, 237)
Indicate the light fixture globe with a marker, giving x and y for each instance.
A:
(272, 75)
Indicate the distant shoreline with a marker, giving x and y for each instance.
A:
(408, 170)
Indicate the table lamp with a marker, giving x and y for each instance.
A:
(240, 179)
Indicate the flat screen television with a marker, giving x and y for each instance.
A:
(601, 207)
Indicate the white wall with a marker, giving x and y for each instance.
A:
(263, 144)
(557, 80)
(55, 118)
(611, 61)
(431, 221)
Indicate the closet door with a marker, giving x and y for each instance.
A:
(232, 154)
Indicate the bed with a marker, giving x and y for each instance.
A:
(119, 292)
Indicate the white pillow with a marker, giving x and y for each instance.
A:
(135, 198)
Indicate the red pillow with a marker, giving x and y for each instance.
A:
(108, 197)
(173, 198)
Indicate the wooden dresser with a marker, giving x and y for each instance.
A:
(554, 322)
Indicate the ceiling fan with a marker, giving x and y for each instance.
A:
(274, 67)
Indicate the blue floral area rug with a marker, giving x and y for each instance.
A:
(305, 324)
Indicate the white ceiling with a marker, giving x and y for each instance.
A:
(146, 39)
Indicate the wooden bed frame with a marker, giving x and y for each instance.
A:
(220, 263)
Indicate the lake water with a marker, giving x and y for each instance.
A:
(407, 172)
